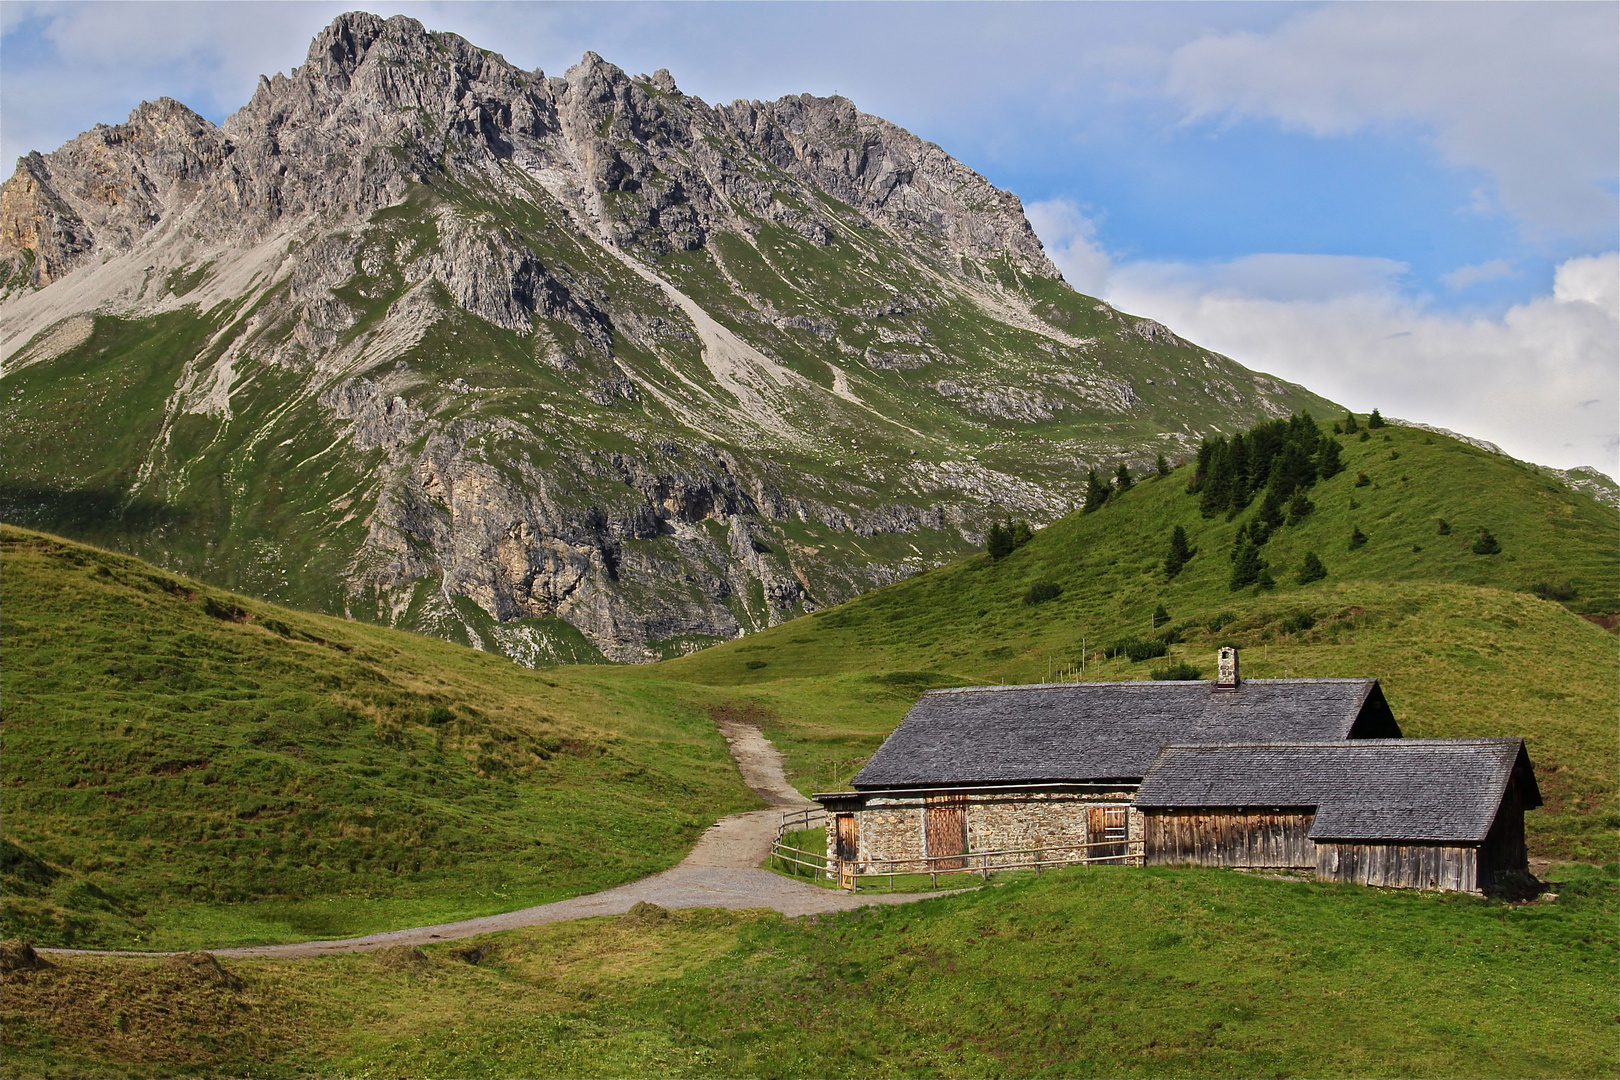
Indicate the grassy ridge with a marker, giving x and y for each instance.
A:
(1099, 972)
(182, 766)
(1461, 643)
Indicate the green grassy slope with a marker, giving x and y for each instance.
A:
(184, 766)
(1461, 644)
(1099, 972)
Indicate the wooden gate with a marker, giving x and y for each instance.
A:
(945, 830)
(1106, 825)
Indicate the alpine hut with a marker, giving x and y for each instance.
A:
(979, 777)
(1415, 813)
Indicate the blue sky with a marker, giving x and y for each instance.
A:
(1404, 205)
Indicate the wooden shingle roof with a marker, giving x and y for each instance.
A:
(1091, 732)
(1438, 790)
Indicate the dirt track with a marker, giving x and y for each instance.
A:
(722, 870)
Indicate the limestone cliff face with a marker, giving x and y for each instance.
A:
(556, 364)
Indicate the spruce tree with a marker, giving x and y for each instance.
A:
(1299, 508)
(1179, 552)
(1375, 421)
(1021, 533)
(1350, 425)
(1270, 513)
(1445, 527)
(1160, 616)
(1357, 537)
(1311, 569)
(1328, 460)
(1122, 478)
(1162, 466)
(1096, 492)
(1246, 567)
(1486, 544)
(998, 541)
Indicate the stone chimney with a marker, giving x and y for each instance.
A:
(1226, 669)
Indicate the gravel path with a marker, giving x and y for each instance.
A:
(723, 871)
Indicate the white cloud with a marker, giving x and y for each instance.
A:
(1465, 276)
(1070, 238)
(1540, 381)
(1524, 92)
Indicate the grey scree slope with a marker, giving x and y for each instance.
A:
(1080, 732)
(1443, 790)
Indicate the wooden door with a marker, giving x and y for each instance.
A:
(848, 841)
(945, 830)
(1106, 825)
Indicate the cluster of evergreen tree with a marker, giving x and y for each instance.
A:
(1100, 494)
(1279, 458)
(1004, 538)
(1277, 461)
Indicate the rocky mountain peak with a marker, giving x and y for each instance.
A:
(575, 365)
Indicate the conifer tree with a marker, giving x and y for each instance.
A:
(1270, 513)
(1357, 537)
(1179, 552)
(1162, 466)
(1246, 567)
(1122, 478)
(1160, 616)
(1350, 425)
(1299, 508)
(1021, 533)
(1445, 527)
(1328, 460)
(1240, 538)
(1375, 421)
(1311, 569)
(1486, 544)
(1096, 492)
(998, 541)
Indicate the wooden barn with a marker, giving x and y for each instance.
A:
(1414, 813)
(981, 777)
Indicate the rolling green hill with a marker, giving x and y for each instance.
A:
(182, 766)
(1462, 642)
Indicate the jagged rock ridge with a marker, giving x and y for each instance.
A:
(554, 365)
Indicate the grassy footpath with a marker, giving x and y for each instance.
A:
(1098, 972)
(1461, 642)
(185, 767)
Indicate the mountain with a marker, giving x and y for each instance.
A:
(561, 367)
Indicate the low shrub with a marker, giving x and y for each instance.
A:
(1560, 593)
(1297, 622)
(1137, 650)
(1042, 591)
(1180, 671)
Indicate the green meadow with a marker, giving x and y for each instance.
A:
(1087, 972)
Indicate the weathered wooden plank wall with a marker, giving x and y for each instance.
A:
(1504, 852)
(1278, 838)
(1406, 866)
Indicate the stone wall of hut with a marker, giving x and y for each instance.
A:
(892, 831)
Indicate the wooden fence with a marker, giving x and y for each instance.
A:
(848, 873)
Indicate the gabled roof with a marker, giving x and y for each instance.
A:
(1441, 790)
(1079, 732)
